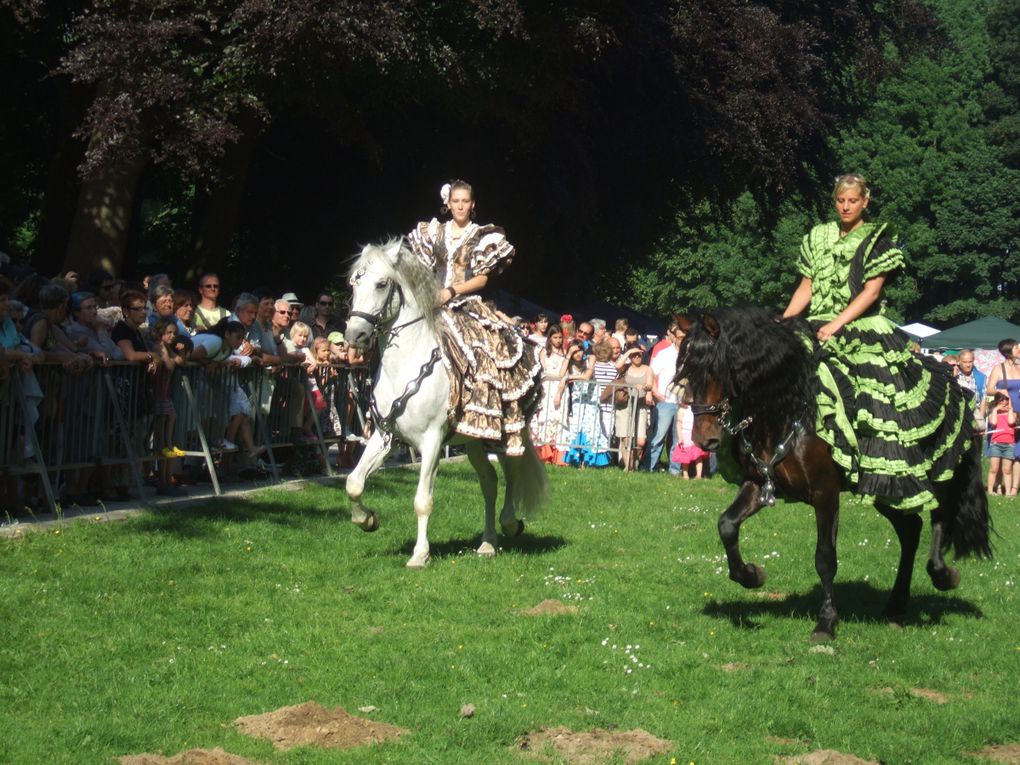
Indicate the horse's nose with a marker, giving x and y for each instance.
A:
(357, 333)
(709, 444)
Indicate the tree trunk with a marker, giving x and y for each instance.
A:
(60, 198)
(99, 233)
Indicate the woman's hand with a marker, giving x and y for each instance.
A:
(828, 330)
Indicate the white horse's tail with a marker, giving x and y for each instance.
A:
(527, 478)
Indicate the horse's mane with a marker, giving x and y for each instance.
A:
(766, 368)
(409, 272)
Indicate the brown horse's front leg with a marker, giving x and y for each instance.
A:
(943, 576)
(908, 531)
(827, 526)
(744, 506)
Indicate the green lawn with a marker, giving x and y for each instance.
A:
(155, 633)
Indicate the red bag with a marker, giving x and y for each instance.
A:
(318, 400)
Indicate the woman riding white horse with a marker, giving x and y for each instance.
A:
(455, 369)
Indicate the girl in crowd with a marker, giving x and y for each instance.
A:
(547, 423)
(541, 329)
(497, 365)
(1002, 429)
(164, 334)
(632, 424)
(1005, 378)
(892, 425)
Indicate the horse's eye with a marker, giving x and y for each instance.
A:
(381, 284)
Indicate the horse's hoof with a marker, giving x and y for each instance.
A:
(946, 579)
(750, 576)
(418, 562)
(371, 522)
(513, 529)
(486, 550)
(822, 635)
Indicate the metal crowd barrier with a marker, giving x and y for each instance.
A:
(102, 417)
(583, 422)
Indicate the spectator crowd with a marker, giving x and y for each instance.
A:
(79, 326)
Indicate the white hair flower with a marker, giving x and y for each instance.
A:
(444, 193)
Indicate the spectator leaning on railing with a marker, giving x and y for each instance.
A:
(184, 308)
(86, 331)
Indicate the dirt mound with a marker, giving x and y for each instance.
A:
(191, 757)
(310, 724)
(549, 607)
(823, 757)
(594, 747)
(1008, 754)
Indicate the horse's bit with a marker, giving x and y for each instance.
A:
(766, 468)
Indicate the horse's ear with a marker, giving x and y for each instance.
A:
(393, 251)
(711, 325)
(684, 322)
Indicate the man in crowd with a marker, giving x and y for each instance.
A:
(599, 333)
(971, 378)
(260, 334)
(246, 308)
(208, 311)
(666, 402)
(324, 321)
(294, 305)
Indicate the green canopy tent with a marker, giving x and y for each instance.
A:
(985, 333)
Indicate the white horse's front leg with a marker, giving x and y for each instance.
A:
(487, 480)
(371, 460)
(423, 499)
(511, 525)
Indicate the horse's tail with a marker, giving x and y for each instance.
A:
(968, 523)
(527, 478)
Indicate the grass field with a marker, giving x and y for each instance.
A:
(155, 633)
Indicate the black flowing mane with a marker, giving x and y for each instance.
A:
(766, 367)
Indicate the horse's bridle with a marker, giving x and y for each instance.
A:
(377, 320)
(722, 410)
(386, 422)
(766, 468)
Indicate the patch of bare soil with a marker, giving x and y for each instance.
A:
(823, 757)
(921, 693)
(192, 757)
(592, 747)
(549, 607)
(771, 595)
(310, 724)
(735, 666)
(1008, 754)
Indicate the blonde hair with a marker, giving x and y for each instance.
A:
(848, 181)
(300, 328)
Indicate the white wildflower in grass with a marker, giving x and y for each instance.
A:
(630, 657)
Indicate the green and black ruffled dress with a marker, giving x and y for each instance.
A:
(894, 419)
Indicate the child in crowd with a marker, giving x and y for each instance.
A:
(686, 453)
(300, 334)
(1002, 422)
(171, 351)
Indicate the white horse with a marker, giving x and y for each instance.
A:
(394, 299)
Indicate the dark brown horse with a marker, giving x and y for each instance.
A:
(752, 384)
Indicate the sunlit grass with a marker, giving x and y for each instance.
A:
(155, 633)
